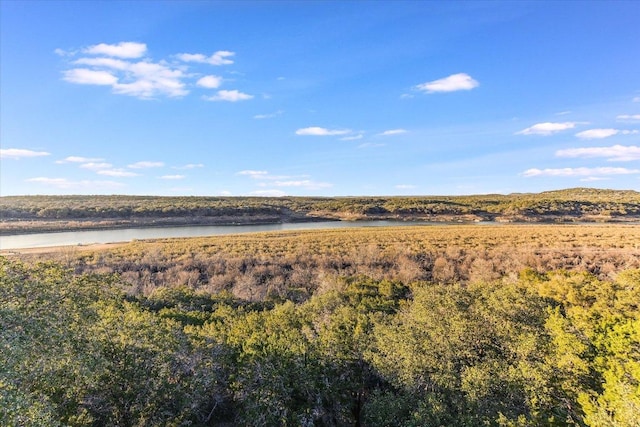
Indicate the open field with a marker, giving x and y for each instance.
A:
(281, 264)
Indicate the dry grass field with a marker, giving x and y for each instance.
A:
(280, 264)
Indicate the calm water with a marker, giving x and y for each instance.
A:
(70, 238)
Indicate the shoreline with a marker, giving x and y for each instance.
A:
(25, 227)
(105, 224)
(99, 246)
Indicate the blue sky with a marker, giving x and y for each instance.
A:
(318, 98)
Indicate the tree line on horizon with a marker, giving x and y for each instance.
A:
(578, 202)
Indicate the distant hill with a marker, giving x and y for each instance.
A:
(37, 213)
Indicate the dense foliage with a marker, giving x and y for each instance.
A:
(540, 348)
(565, 205)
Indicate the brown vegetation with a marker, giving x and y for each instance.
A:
(295, 265)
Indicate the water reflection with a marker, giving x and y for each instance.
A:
(69, 238)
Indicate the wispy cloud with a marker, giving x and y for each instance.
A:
(371, 144)
(305, 183)
(266, 176)
(84, 76)
(405, 186)
(268, 116)
(221, 57)
(636, 99)
(615, 153)
(547, 128)
(189, 166)
(318, 131)
(172, 177)
(119, 173)
(229, 96)
(352, 138)
(96, 165)
(603, 133)
(66, 184)
(254, 173)
(265, 179)
(120, 50)
(146, 165)
(19, 153)
(452, 83)
(569, 172)
(79, 159)
(393, 132)
(594, 179)
(210, 82)
(628, 117)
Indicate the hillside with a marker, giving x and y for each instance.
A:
(42, 213)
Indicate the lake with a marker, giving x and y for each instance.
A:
(70, 238)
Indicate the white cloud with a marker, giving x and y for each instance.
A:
(189, 166)
(96, 165)
(118, 68)
(615, 153)
(84, 76)
(62, 52)
(405, 186)
(150, 79)
(268, 116)
(305, 183)
(140, 79)
(452, 83)
(563, 113)
(172, 177)
(567, 172)
(318, 131)
(352, 138)
(229, 95)
(220, 57)
(628, 117)
(116, 64)
(267, 180)
(636, 99)
(594, 178)
(120, 50)
(146, 165)
(79, 159)
(393, 132)
(120, 173)
(597, 133)
(65, 184)
(18, 153)
(547, 128)
(253, 173)
(210, 82)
